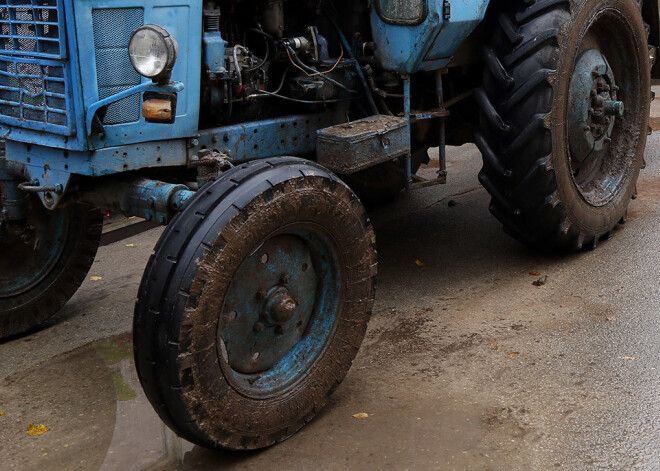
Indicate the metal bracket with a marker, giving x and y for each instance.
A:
(172, 87)
(446, 10)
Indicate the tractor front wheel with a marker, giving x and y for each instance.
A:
(43, 261)
(255, 303)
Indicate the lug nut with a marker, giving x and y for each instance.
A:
(258, 327)
(284, 279)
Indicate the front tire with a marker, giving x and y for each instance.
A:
(254, 304)
(560, 170)
(43, 262)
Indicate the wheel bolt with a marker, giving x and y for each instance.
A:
(258, 327)
(284, 279)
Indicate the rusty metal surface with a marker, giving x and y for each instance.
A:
(350, 147)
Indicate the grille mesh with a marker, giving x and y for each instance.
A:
(112, 32)
(33, 92)
(29, 27)
(33, 76)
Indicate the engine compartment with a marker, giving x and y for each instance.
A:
(276, 57)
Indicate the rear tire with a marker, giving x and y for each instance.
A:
(546, 190)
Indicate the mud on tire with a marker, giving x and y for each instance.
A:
(186, 371)
(528, 165)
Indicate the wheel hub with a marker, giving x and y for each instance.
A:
(269, 305)
(593, 106)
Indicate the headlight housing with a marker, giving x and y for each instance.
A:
(153, 52)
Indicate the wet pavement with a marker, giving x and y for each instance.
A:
(466, 364)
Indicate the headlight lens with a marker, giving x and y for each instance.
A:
(153, 51)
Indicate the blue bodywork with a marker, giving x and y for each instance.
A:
(98, 130)
(430, 44)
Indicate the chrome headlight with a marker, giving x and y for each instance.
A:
(153, 52)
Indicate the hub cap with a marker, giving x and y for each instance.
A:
(280, 311)
(593, 107)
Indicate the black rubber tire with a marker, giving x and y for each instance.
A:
(175, 342)
(523, 137)
(27, 310)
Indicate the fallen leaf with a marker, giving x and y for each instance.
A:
(361, 416)
(628, 358)
(513, 354)
(1, 413)
(419, 263)
(34, 430)
(541, 281)
(130, 245)
(96, 278)
(492, 344)
(534, 273)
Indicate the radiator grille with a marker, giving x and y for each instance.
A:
(32, 27)
(33, 91)
(112, 32)
(33, 75)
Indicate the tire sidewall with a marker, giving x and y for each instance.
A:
(589, 219)
(212, 396)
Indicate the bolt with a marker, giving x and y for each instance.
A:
(255, 357)
(151, 202)
(615, 108)
(615, 88)
(607, 140)
(586, 128)
(285, 278)
(216, 138)
(258, 327)
(194, 142)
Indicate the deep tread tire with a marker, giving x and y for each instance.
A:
(175, 337)
(523, 137)
(30, 309)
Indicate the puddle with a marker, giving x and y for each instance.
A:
(96, 413)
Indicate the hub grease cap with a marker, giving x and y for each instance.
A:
(268, 305)
(592, 106)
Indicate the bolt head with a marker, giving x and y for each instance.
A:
(258, 327)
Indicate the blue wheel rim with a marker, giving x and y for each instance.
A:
(263, 351)
(29, 256)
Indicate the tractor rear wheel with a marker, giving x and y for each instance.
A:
(564, 118)
(254, 304)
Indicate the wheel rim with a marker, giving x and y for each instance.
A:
(280, 312)
(31, 250)
(602, 105)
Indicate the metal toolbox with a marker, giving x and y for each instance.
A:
(350, 147)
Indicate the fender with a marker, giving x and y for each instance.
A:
(409, 45)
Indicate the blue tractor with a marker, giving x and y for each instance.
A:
(255, 129)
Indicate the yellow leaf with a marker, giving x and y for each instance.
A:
(361, 416)
(492, 344)
(1, 413)
(96, 278)
(130, 245)
(513, 354)
(627, 358)
(419, 263)
(534, 273)
(34, 430)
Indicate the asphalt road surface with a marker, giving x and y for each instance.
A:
(466, 364)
